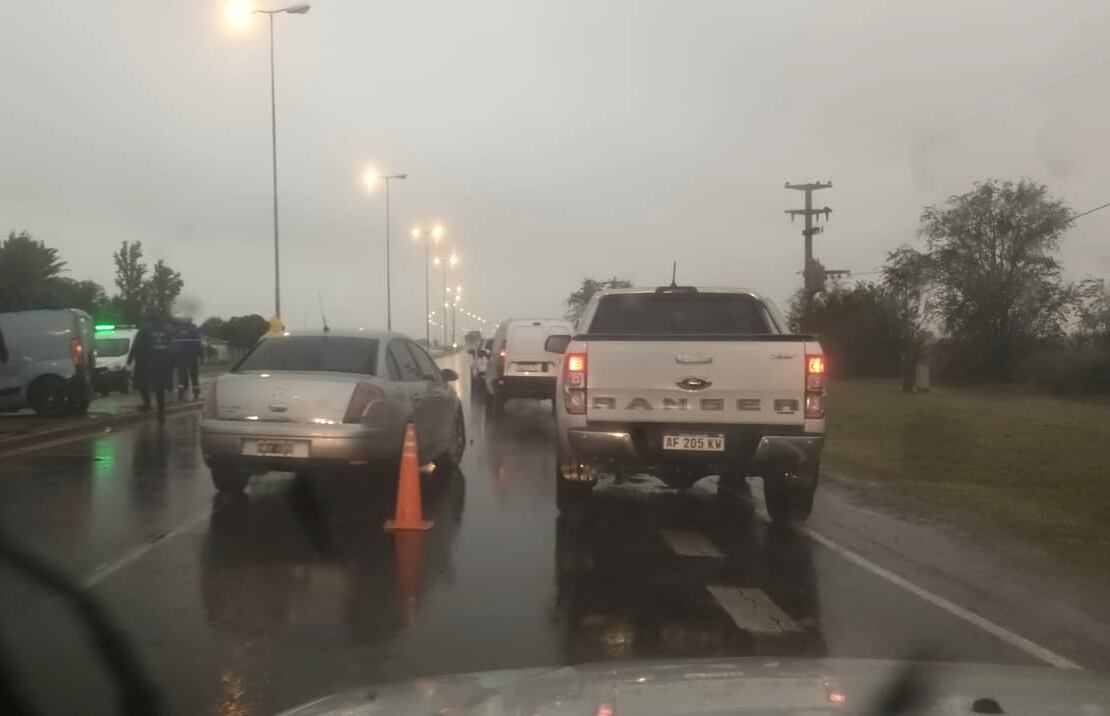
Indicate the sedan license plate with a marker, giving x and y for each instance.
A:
(527, 367)
(280, 448)
(706, 443)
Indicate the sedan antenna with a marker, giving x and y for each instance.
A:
(323, 318)
(674, 272)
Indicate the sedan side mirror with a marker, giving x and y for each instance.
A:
(557, 343)
(470, 351)
(449, 375)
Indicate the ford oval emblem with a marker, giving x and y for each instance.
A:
(694, 384)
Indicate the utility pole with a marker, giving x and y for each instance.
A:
(811, 276)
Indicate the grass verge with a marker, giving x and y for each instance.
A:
(1035, 464)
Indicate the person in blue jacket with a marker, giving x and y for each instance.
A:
(186, 356)
(152, 355)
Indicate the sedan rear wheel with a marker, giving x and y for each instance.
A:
(451, 458)
(229, 479)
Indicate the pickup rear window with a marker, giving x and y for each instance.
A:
(651, 314)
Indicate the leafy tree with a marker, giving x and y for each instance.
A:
(577, 300)
(130, 280)
(29, 272)
(993, 257)
(214, 327)
(858, 327)
(1092, 310)
(906, 277)
(242, 332)
(89, 296)
(162, 289)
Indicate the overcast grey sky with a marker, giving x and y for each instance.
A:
(553, 139)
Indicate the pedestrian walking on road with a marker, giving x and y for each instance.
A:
(186, 358)
(152, 355)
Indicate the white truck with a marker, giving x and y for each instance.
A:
(685, 382)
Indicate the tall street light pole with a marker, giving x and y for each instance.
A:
(371, 178)
(434, 237)
(298, 9)
(448, 262)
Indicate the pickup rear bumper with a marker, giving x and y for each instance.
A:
(621, 449)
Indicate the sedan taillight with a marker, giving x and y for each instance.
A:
(364, 396)
(574, 383)
(210, 407)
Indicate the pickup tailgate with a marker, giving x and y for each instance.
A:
(739, 380)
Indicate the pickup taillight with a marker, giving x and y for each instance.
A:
(574, 383)
(77, 351)
(815, 387)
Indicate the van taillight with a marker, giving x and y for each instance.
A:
(365, 395)
(77, 351)
(574, 383)
(815, 387)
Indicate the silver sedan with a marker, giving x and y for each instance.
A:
(303, 401)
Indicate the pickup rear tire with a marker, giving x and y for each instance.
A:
(571, 497)
(789, 497)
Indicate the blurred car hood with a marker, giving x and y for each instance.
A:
(729, 686)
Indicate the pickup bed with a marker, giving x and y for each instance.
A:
(685, 382)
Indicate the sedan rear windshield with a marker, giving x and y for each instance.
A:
(336, 354)
(651, 314)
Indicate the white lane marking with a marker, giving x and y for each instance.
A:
(997, 630)
(688, 543)
(109, 568)
(752, 610)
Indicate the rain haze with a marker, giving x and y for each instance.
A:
(553, 140)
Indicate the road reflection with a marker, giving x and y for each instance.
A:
(624, 592)
(308, 560)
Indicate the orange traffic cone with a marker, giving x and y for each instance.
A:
(406, 547)
(409, 515)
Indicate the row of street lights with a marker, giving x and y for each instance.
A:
(239, 14)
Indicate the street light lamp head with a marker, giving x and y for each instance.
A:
(436, 261)
(370, 178)
(437, 232)
(238, 14)
(416, 233)
(299, 9)
(454, 259)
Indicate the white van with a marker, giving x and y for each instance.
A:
(519, 367)
(113, 344)
(50, 365)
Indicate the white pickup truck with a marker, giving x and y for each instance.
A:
(685, 382)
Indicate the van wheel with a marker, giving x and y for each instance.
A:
(48, 396)
(229, 479)
(789, 498)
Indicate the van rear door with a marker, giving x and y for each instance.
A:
(524, 348)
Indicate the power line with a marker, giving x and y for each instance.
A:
(1080, 215)
(1014, 85)
(1034, 98)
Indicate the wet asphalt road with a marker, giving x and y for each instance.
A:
(255, 605)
